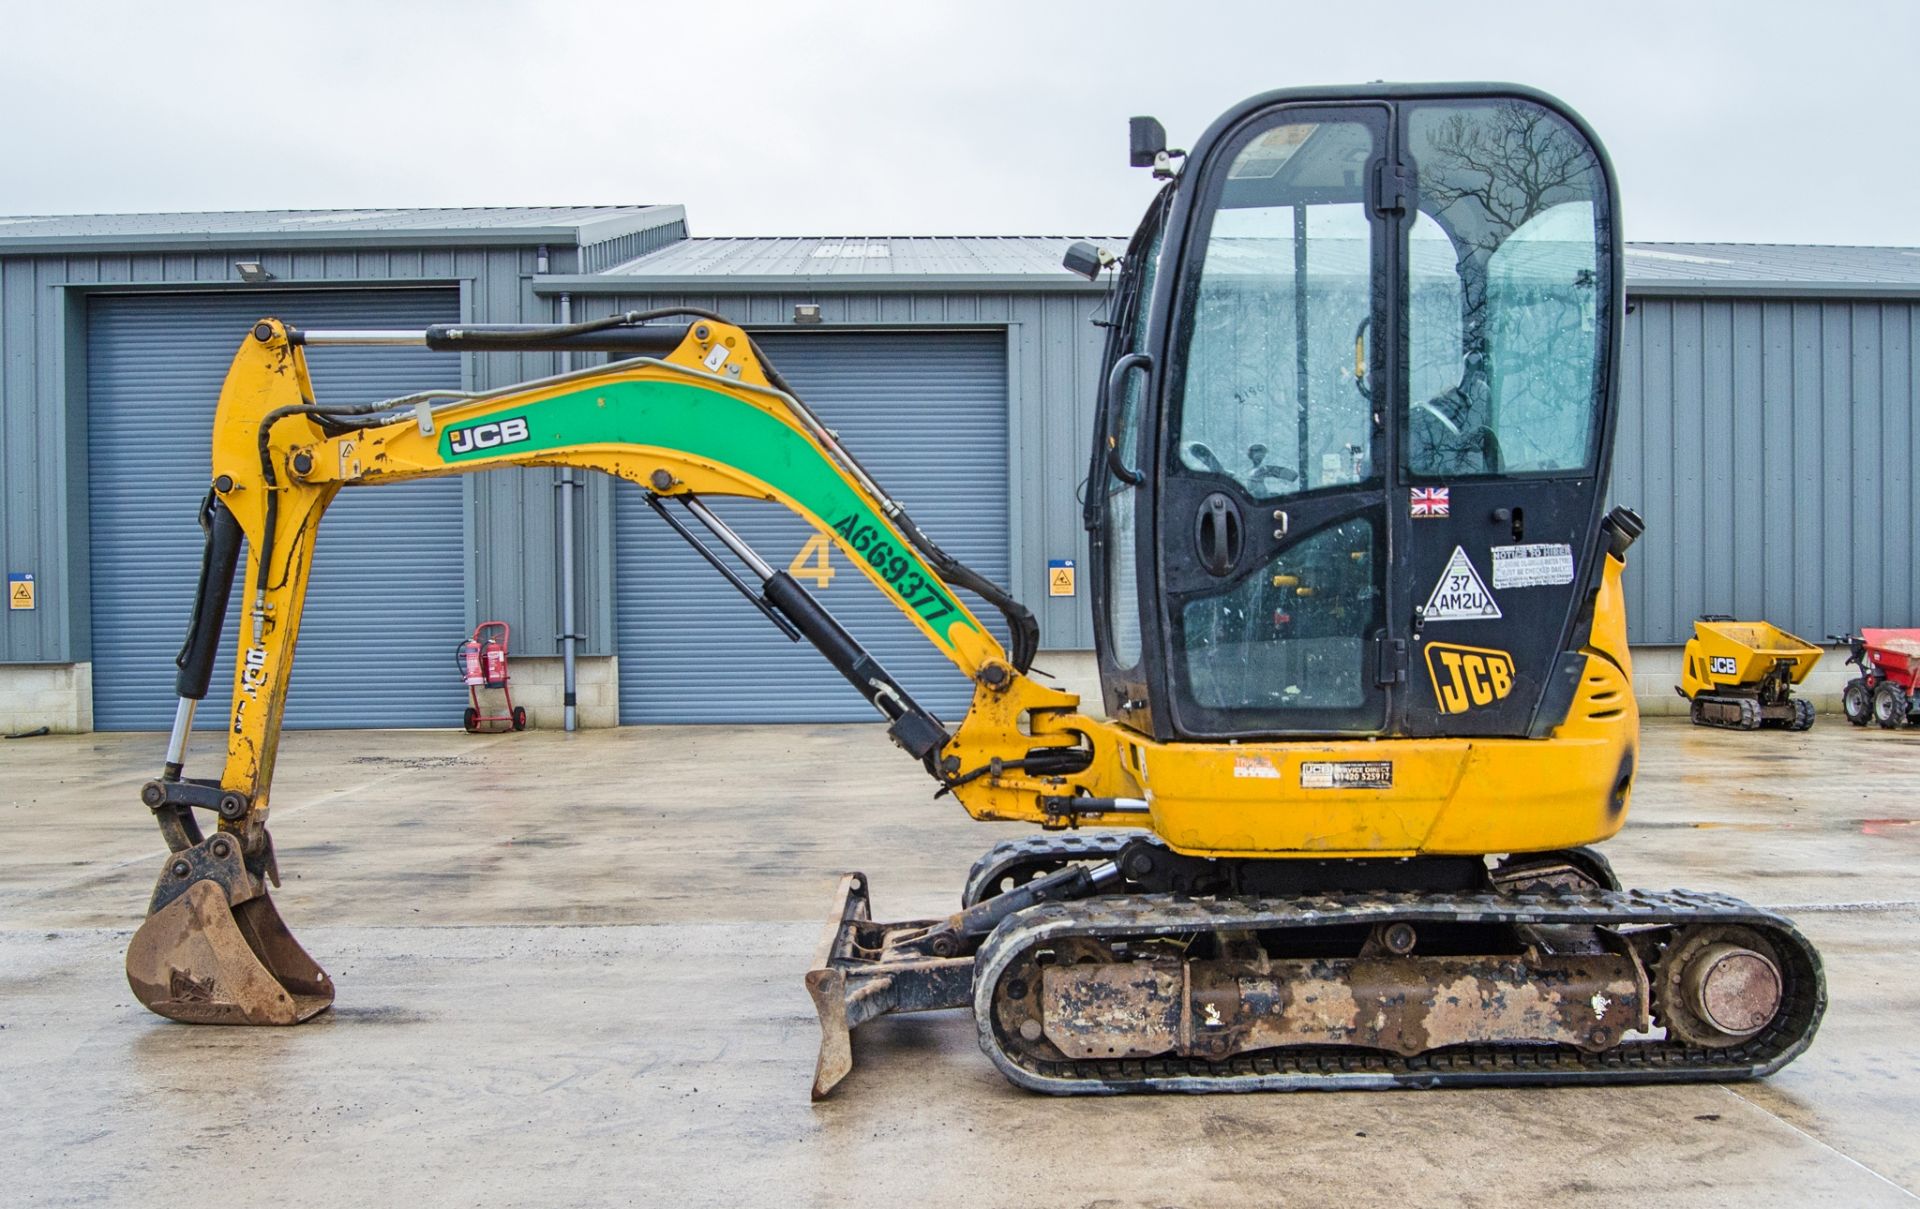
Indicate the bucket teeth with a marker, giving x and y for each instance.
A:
(203, 961)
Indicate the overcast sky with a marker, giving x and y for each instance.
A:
(1756, 121)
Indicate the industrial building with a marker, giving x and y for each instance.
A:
(1768, 437)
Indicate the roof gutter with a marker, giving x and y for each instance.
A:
(1695, 288)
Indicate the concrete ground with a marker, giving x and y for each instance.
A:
(569, 973)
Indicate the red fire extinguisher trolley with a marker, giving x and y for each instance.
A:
(482, 659)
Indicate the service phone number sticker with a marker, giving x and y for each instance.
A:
(1346, 774)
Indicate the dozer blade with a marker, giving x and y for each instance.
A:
(857, 975)
(200, 960)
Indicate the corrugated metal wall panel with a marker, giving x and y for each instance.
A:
(1057, 352)
(386, 602)
(43, 444)
(1765, 550)
(1771, 446)
(926, 413)
(33, 470)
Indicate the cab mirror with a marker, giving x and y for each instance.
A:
(1147, 139)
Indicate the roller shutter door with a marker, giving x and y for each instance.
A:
(926, 413)
(385, 605)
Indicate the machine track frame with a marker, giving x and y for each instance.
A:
(1107, 919)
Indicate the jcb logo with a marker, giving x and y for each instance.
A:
(1467, 677)
(510, 431)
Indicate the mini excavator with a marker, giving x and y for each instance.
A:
(1366, 697)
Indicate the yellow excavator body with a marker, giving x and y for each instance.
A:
(1365, 701)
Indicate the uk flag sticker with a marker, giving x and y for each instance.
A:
(1431, 502)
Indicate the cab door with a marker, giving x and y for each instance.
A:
(1382, 350)
(1510, 271)
(1277, 610)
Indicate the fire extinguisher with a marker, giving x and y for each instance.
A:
(470, 665)
(482, 660)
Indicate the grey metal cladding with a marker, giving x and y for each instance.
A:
(43, 432)
(613, 250)
(1772, 446)
(36, 446)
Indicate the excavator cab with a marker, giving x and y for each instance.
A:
(1348, 472)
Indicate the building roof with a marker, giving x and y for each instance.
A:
(310, 228)
(1654, 268)
(1034, 260)
(862, 260)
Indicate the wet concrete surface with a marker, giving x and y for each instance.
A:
(569, 973)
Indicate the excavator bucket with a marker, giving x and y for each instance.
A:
(859, 974)
(203, 961)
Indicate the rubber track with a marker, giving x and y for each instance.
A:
(1303, 1068)
(1062, 847)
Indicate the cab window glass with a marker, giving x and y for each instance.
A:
(1292, 636)
(1272, 394)
(1123, 499)
(1505, 309)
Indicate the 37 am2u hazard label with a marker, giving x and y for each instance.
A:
(1460, 594)
(20, 590)
(1346, 774)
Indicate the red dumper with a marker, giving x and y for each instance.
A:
(1887, 690)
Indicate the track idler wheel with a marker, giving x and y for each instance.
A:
(1718, 986)
(203, 958)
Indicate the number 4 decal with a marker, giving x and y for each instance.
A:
(812, 561)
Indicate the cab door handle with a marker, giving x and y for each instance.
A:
(1218, 534)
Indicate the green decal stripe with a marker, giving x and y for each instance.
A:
(705, 423)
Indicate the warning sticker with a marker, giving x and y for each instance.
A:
(1060, 577)
(1346, 774)
(1461, 595)
(1257, 767)
(20, 590)
(1544, 565)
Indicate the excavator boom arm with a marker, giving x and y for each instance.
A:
(706, 418)
(701, 416)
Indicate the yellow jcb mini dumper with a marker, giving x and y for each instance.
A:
(1740, 675)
